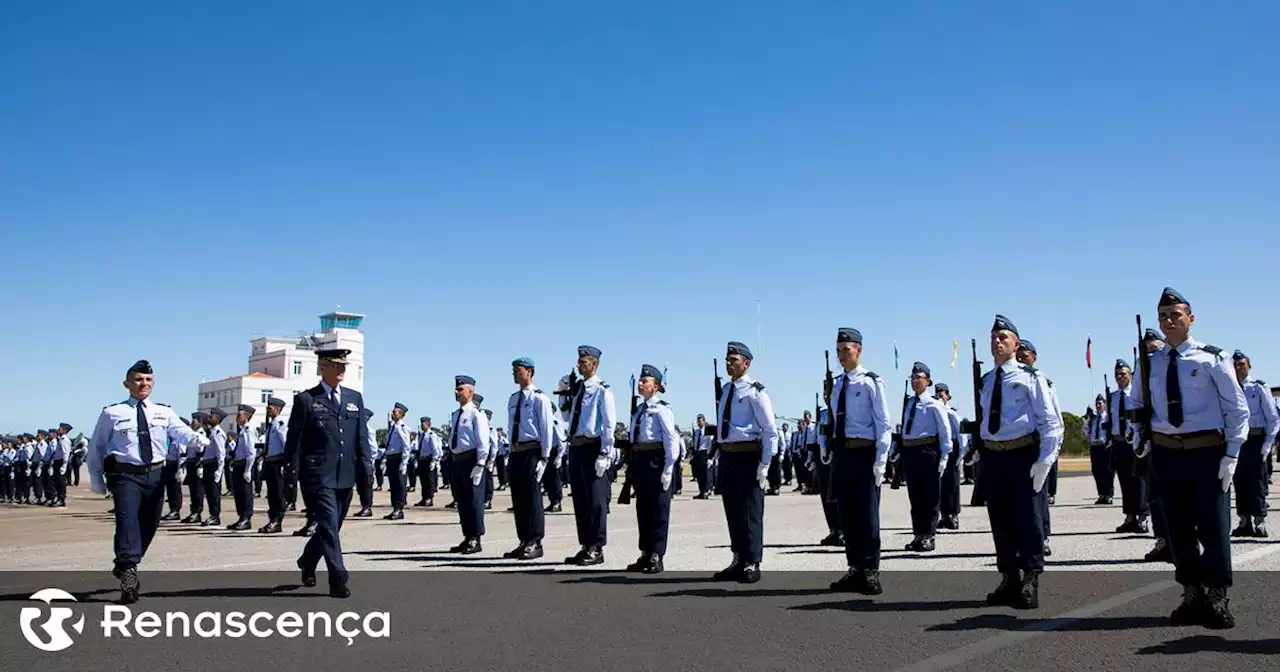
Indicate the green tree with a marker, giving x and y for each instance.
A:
(1074, 441)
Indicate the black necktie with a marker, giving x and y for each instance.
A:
(453, 433)
(635, 425)
(515, 425)
(993, 415)
(577, 411)
(839, 414)
(728, 413)
(144, 436)
(1121, 413)
(1173, 392)
(911, 418)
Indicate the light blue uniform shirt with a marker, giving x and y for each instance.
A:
(931, 419)
(116, 435)
(398, 439)
(1120, 415)
(1026, 406)
(1211, 397)
(245, 440)
(654, 422)
(469, 431)
(598, 414)
(277, 432)
(1262, 411)
(1098, 429)
(866, 410)
(429, 446)
(216, 449)
(536, 421)
(751, 416)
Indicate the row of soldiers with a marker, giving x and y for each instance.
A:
(35, 469)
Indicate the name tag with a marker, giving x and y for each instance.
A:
(352, 407)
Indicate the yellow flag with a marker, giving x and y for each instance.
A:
(955, 350)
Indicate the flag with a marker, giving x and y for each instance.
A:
(955, 352)
(664, 375)
(633, 380)
(895, 355)
(1088, 353)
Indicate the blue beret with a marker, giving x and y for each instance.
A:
(368, 413)
(940, 388)
(488, 413)
(335, 355)
(64, 426)
(478, 398)
(848, 335)
(1003, 323)
(651, 371)
(273, 401)
(1100, 398)
(402, 407)
(702, 417)
(919, 367)
(201, 416)
(140, 366)
(218, 412)
(1028, 346)
(1152, 335)
(1239, 355)
(736, 348)
(523, 361)
(245, 408)
(463, 380)
(425, 418)
(588, 351)
(1172, 297)
(1121, 364)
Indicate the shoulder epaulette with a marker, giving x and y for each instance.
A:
(537, 391)
(160, 404)
(1261, 383)
(987, 374)
(662, 403)
(1029, 369)
(872, 375)
(1050, 382)
(758, 385)
(1213, 350)
(604, 385)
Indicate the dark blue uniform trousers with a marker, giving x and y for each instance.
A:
(653, 504)
(139, 502)
(552, 482)
(470, 498)
(327, 507)
(949, 496)
(743, 503)
(1197, 511)
(1251, 480)
(822, 485)
(364, 485)
(1104, 472)
(701, 472)
(241, 491)
(212, 488)
(924, 486)
(1133, 490)
(858, 494)
(1013, 508)
(173, 486)
(526, 494)
(195, 486)
(397, 482)
(590, 495)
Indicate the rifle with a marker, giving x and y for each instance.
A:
(828, 387)
(566, 400)
(1106, 390)
(895, 456)
(624, 498)
(1143, 415)
(715, 438)
(974, 427)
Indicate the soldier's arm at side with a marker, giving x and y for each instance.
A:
(1048, 422)
(545, 426)
(98, 451)
(610, 421)
(293, 435)
(1231, 399)
(1271, 418)
(763, 409)
(880, 418)
(943, 420)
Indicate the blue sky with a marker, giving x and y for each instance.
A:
(490, 180)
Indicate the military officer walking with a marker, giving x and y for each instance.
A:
(926, 446)
(1021, 433)
(397, 461)
(1027, 356)
(60, 460)
(127, 457)
(429, 454)
(273, 464)
(529, 415)
(746, 440)
(1251, 472)
(327, 437)
(858, 446)
(591, 454)
(469, 445)
(655, 449)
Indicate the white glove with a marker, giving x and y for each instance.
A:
(762, 475)
(1143, 450)
(435, 464)
(404, 467)
(1039, 473)
(976, 456)
(666, 479)
(248, 473)
(602, 465)
(1226, 469)
(178, 475)
(539, 470)
(942, 466)
(1266, 452)
(217, 476)
(199, 472)
(877, 473)
(558, 461)
(477, 472)
(824, 456)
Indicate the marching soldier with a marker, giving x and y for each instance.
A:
(429, 454)
(1200, 421)
(552, 479)
(1251, 472)
(61, 461)
(243, 457)
(746, 440)
(365, 470)
(858, 445)
(469, 444)
(591, 454)
(127, 457)
(1099, 431)
(194, 472)
(211, 462)
(1021, 434)
(926, 446)
(1027, 356)
(38, 470)
(702, 440)
(273, 464)
(820, 459)
(326, 438)
(1133, 488)
(655, 447)
(173, 480)
(949, 504)
(529, 413)
(1152, 340)
(397, 461)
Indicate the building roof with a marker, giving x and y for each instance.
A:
(255, 374)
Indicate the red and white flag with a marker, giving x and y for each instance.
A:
(1088, 353)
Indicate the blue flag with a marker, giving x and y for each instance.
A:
(895, 356)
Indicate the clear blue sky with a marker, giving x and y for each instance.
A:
(490, 180)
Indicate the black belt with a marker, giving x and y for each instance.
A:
(740, 446)
(273, 458)
(205, 463)
(114, 467)
(922, 441)
(522, 446)
(647, 446)
(1012, 444)
(856, 443)
(583, 441)
(239, 463)
(1209, 438)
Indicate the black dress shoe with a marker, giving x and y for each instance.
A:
(513, 553)
(272, 527)
(129, 585)
(430, 503)
(172, 515)
(577, 557)
(471, 546)
(396, 514)
(1160, 553)
(640, 563)
(1010, 585)
(451, 505)
(212, 522)
(459, 547)
(1260, 528)
(871, 583)
(510, 509)
(193, 518)
(488, 505)
(339, 592)
(749, 574)
(1028, 595)
(364, 513)
(654, 566)
(1047, 550)
(853, 581)
(243, 525)
(421, 503)
(1100, 500)
(1141, 526)
(729, 573)
(594, 556)
(1051, 500)
(308, 576)
(914, 545)
(833, 539)
(927, 545)
(1192, 609)
(552, 508)
(291, 507)
(1108, 500)
(530, 552)
(1244, 529)
(1216, 615)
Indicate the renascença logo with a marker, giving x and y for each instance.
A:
(52, 626)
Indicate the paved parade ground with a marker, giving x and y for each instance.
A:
(1101, 606)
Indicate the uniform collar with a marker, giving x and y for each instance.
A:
(593, 380)
(654, 401)
(744, 381)
(1186, 346)
(329, 390)
(856, 371)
